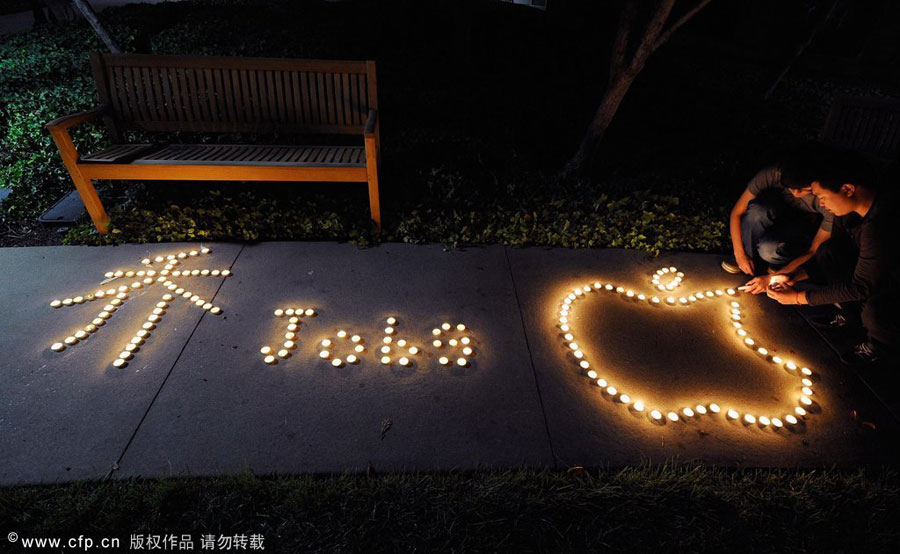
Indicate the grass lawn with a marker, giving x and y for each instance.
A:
(648, 508)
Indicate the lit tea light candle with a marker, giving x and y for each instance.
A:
(387, 340)
(806, 390)
(388, 330)
(790, 419)
(385, 349)
(444, 360)
(468, 352)
(624, 399)
(806, 382)
(326, 343)
(602, 383)
(656, 415)
(265, 350)
(385, 360)
(324, 354)
(714, 408)
(806, 400)
(309, 312)
(701, 409)
(777, 423)
(437, 343)
(404, 361)
(611, 391)
(672, 416)
(806, 371)
(638, 406)
(289, 344)
(70, 340)
(414, 350)
(283, 353)
(763, 420)
(119, 362)
(732, 414)
(688, 412)
(460, 327)
(437, 332)
(57, 347)
(337, 362)
(461, 362)
(749, 419)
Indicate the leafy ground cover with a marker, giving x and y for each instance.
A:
(474, 130)
(680, 509)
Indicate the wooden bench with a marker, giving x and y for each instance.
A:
(866, 124)
(205, 94)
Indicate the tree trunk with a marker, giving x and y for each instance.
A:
(92, 18)
(821, 24)
(607, 109)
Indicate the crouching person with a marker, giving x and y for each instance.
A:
(777, 223)
(860, 264)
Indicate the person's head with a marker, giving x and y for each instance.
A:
(798, 168)
(844, 182)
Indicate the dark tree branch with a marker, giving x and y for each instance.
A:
(798, 51)
(92, 18)
(654, 27)
(623, 33)
(681, 21)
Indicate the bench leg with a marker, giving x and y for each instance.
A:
(372, 175)
(91, 201)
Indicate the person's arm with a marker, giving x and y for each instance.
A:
(821, 236)
(867, 275)
(734, 226)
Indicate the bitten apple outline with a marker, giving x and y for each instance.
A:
(684, 413)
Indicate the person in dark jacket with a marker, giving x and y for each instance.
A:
(859, 264)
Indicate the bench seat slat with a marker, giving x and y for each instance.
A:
(230, 154)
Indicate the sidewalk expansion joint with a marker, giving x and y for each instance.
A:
(530, 356)
(117, 464)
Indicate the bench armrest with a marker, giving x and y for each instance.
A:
(66, 121)
(371, 122)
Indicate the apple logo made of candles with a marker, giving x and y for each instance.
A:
(115, 297)
(666, 280)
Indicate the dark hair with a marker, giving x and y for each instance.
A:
(799, 165)
(845, 166)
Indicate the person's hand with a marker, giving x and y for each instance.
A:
(784, 294)
(744, 262)
(758, 285)
(779, 281)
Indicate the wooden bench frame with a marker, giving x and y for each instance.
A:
(332, 114)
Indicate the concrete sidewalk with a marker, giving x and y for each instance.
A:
(198, 397)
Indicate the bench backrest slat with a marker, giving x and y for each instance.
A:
(866, 124)
(232, 94)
